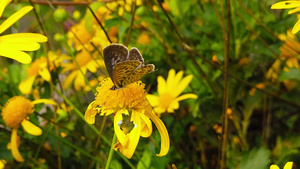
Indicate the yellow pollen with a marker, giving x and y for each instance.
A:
(16, 110)
(165, 99)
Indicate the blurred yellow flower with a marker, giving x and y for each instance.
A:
(128, 102)
(288, 165)
(13, 45)
(122, 5)
(143, 39)
(168, 92)
(86, 62)
(40, 68)
(15, 113)
(287, 5)
(2, 164)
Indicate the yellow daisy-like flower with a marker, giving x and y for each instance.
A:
(40, 68)
(122, 5)
(288, 165)
(15, 113)
(169, 91)
(287, 5)
(128, 102)
(86, 62)
(13, 45)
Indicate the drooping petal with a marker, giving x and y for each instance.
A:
(182, 85)
(19, 56)
(26, 85)
(294, 10)
(296, 27)
(31, 128)
(89, 115)
(153, 100)
(24, 38)
(285, 5)
(118, 119)
(14, 146)
(134, 135)
(15, 17)
(45, 101)
(3, 4)
(146, 124)
(186, 96)
(288, 165)
(45, 74)
(165, 140)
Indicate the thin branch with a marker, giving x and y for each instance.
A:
(131, 24)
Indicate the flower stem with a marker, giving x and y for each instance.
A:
(111, 152)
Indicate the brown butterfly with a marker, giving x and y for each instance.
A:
(125, 67)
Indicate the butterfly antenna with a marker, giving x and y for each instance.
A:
(100, 24)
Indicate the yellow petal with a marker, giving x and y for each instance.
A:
(19, 46)
(15, 17)
(134, 135)
(26, 85)
(274, 167)
(165, 140)
(296, 27)
(146, 124)
(31, 128)
(173, 85)
(19, 56)
(182, 85)
(171, 76)
(3, 4)
(14, 146)
(45, 101)
(174, 105)
(2, 164)
(162, 85)
(24, 38)
(153, 100)
(79, 80)
(45, 74)
(294, 10)
(159, 110)
(118, 120)
(89, 115)
(69, 79)
(288, 165)
(286, 5)
(186, 96)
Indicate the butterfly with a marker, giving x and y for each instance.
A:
(123, 66)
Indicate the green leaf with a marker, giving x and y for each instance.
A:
(293, 74)
(145, 161)
(258, 159)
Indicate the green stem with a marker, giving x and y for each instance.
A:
(111, 152)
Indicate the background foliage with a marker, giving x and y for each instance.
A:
(263, 119)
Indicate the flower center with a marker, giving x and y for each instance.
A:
(16, 110)
(165, 100)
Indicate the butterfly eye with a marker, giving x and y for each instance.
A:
(114, 87)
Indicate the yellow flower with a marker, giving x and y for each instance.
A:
(129, 103)
(288, 165)
(287, 5)
(86, 62)
(122, 5)
(2, 164)
(13, 45)
(40, 68)
(169, 91)
(15, 113)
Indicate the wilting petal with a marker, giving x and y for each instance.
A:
(45, 74)
(146, 124)
(31, 128)
(165, 140)
(45, 101)
(14, 146)
(285, 5)
(288, 165)
(14, 18)
(26, 85)
(19, 56)
(153, 100)
(134, 135)
(118, 119)
(186, 96)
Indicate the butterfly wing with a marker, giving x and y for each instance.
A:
(114, 54)
(123, 70)
(138, 74)
(134, 54)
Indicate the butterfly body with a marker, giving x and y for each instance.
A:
(123, 66)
